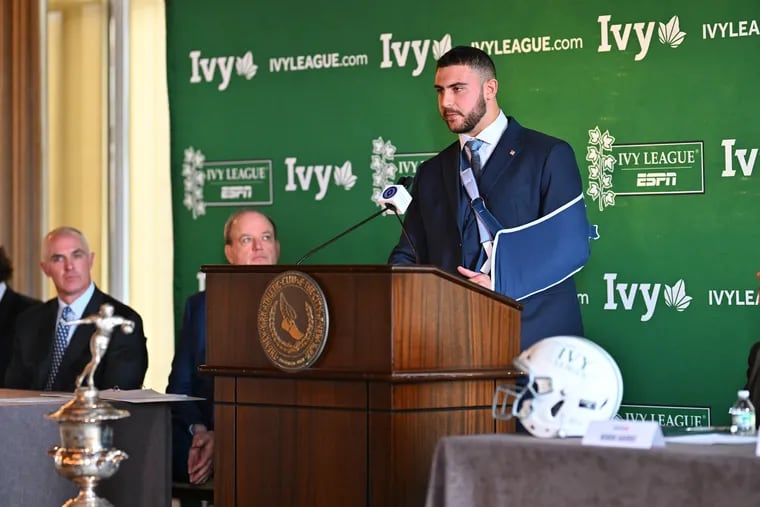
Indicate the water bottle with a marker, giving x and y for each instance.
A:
(742, 415)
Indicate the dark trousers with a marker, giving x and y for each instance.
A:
(181, 441)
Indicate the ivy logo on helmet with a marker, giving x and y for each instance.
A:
(571, 360)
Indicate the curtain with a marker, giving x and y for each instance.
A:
(20, 141)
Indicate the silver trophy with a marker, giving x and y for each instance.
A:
(86, 455)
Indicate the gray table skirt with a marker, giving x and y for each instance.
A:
(521, 470)
(28, 476)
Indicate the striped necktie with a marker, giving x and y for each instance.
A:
(471, 148)
(59, 346)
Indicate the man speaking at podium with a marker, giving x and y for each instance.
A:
(520, 174)
(250, 238)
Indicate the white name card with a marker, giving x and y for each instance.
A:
(631, 434)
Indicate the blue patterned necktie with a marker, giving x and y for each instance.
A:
(59, 346)
(471, 148)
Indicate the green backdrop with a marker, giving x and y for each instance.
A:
(307, 109)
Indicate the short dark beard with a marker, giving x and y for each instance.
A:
(473, 117)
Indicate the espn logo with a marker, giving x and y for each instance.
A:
(667, 179)
(237, 191)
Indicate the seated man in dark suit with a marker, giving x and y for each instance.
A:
(250, 238)
(12, 304)
(48, 355)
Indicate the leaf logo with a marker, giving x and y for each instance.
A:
(382, 164)
(598, 152)
(245, 67)
(441, 47)
(670, 34)
(194, 179)
(344, 176)
(676, 297)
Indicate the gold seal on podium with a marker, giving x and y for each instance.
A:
(293, 321)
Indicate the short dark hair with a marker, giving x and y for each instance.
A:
(470, 56)
(238, 213)
(6, 266)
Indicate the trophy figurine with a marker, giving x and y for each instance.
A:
(86, 455)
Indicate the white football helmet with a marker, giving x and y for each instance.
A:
(571, 382)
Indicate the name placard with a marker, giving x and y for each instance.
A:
(630, 434)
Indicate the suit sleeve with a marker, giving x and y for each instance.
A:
(16, 376)
(126, 360)
(561, 180)
(752, 367)
(404, 252)
(12, 305)
(184, 365)
(19, 374)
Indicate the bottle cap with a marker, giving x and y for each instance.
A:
(743, 393)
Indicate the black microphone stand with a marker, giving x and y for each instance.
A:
(331, 240)
(408, 239)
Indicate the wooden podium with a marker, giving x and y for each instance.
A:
(412, 354)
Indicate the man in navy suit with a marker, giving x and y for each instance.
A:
(524, 176)
(250, 237)
(67, 261)
(12, 304)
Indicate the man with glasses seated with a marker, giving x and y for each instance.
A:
(250, 238)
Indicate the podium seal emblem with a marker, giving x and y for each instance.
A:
(293, 321)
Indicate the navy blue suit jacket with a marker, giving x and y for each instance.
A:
(185, 379)
(528, 175)
(123, 365)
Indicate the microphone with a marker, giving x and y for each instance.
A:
(394, 199)
(397, 199)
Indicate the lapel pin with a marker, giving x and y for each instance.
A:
(511, 153)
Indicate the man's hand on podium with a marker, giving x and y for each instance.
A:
(475, 276)
(200, 460)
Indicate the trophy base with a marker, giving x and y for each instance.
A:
(88, 498)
